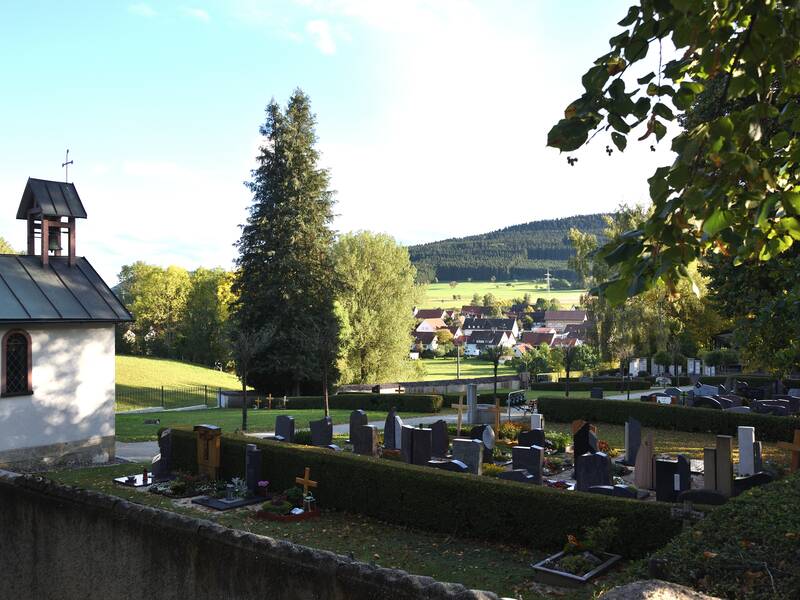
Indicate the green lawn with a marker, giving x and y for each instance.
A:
(441, 294)
(445, 368)
(500, 567)
(131, 427)
(139, 382)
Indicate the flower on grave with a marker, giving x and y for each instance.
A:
(263, 484)
(572, 545)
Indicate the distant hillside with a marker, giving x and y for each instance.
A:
(518, 252)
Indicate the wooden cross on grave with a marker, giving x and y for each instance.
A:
(459, 417)
(306, 481)
(497, 412)
(794, 448)
(269, 401)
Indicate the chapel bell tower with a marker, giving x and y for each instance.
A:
(51, 208)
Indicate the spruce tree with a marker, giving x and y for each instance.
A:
(285, 281)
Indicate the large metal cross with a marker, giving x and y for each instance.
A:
(65, 165)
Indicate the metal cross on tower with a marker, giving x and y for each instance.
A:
(65, 165)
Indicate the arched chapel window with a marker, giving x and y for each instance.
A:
(16, 371)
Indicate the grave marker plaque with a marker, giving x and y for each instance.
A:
(208, 438)
(469, 452)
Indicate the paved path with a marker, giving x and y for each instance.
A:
(145, 451)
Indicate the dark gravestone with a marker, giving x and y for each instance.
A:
(284, 428)
(389, 432)
(454, 466)
(533, 437)
(357, 419)
(421, 446)
(162, 464)
(710, 497)
(738, 409)
(407, 443)
(520, 475)
(584, 441)
(672, 478)
(592, 469)
(365, 440)
(628, 491)
(485, 434)
(724, 402)
(742, 484)
(633, 439)
(758, 463)
(596, 393)
(603, 490)
(529, 458)
(440, 442)
(252, 467)
(321, 432)
(706, 402)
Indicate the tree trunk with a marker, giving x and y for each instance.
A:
(495, 381)
(325, 391)
(566, 383)
(244, 401)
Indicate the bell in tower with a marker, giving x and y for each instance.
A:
(50, 208)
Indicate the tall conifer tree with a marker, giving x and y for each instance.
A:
(285, 279)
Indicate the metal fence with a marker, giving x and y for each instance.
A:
(165, 396)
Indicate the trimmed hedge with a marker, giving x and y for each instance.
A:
(769, 428)
(483, 397)
(433, 500)
(428, 403)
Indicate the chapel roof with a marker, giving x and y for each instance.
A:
(51, 199)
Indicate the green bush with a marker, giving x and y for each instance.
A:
(450, 399)
(428, 403)
(747, 548)
(610, 385)
(434, 500)
(768, 428)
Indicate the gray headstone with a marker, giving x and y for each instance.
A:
(284, 428)
(672, 478)
(472, 403)
(529, 458)
(470, 452)
(533, 437)
(440, 442)
(365, 440)
(357, 418)
(407, 443)
(633, 438)
(537, 421)
(162, 465)
(710, 469)
(321, 432)
(758, 462)
(389, 435)
(520, 475)
(422, 440)
(584, 441)
(486, 439)
(746, 438)
(454, 466)
(592, 469)
(725, 465)
(252, 467)
(398, 432)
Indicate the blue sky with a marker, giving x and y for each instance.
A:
(432, 116)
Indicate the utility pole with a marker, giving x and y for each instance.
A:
(547, 278)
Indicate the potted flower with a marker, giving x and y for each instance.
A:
(261, 488)
(580, 560)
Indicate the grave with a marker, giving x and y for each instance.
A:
(520, 475)
(252, 467)
(794, 448)
(322, 433)
(643, 470)
(142, 479)
(584, 441)
(592, 469)
(470, 453)
(208, 439)
(422, 443)
(365, 440)
(533, 437)
(454, 466)
(530, 459)
(390, 434)
(758, 463)
(746, 437)
(596, 393)
(618, 491)
(161, 466)
(718, 467)
(742, 484)
(284, 428)
(537, 420)
(227, 503)
(407, 443)
(672, 478)
(633, 439)
(472, 403)
(357, 418)
(440, 442)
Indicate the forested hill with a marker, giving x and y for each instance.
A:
(518, 252)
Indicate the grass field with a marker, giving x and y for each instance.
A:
(131, 427)
(139, 381)
(441, 294)
(445, 368)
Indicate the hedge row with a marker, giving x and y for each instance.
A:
(433, 500)
(425, 403)
(585, 386)
(451, 399)
(769, 428)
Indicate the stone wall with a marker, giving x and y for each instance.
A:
(63, 543)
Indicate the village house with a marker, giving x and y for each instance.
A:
(477, 341)
(477, 324)
(560, 319)
(429, 313)
(57, 324)
(430, 325)
(426, 340)
(475, 311)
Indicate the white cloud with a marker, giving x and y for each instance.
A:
(141, 9)
(320, 31)
(197, 13)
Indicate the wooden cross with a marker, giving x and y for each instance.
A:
(305, 481)
(460, 416)
(794, 448)
(497, 411)
(269, 400)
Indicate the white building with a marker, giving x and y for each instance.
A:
(57, 320)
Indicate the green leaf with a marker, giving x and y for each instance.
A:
(660, 129)
(791, 202)
(683, 98)
(663, 111)
(595, 78)
(719, 220)
(780, 140)
(618, 123)
(636, 49)
(570, 134)
(633, 14)
(620, 141)
(646, 79)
